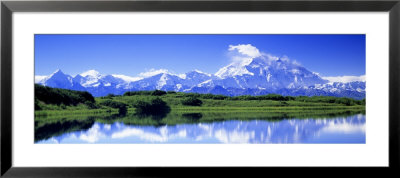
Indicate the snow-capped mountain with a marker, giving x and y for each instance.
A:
(264, 73)
(101, 85)
(57, 79)
(161, 81)
(91, 81)
(254, 76)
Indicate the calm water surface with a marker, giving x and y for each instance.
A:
(348, 129)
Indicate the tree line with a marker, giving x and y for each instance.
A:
(59, 96)
(193, 98)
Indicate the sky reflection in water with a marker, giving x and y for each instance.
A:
(349, 129)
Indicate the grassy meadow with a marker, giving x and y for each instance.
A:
(61, 102)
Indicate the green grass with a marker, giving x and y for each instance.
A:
(175, 100)
(74, 112)
(191, 109)
(225, 108)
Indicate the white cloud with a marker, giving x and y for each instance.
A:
(107, 127)
(346, 128)
(345, 79)
(162, 136)
(234, 136)
(92, 135)
(244, 53)
(246, 49)
(152, 72)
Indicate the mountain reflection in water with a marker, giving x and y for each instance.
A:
(343, 129)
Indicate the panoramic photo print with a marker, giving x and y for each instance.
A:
(200, 89)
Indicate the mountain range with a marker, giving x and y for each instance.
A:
(253, 76)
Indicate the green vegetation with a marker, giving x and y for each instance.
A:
(60, 97)
(191, 101)
(180, 99)
(47, 99)
(155, 106)
(59, 110)
(114, 104)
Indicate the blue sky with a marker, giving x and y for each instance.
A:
(329, 55)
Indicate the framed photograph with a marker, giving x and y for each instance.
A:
(161, 88)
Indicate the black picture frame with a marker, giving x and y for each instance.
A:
(8, 7)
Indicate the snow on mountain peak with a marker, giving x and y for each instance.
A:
(92, 73)
(162, 81)
(57, 72)
(233, 70)
(153, 72)
(126, 78)
(250, 72)
(201, 72)
(345, 79)
(182, 76)
(263, 77)
(248, 59)
(241, 67)
(39, 78)
(56, 75)
(92, 78)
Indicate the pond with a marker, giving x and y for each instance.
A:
(198, 128)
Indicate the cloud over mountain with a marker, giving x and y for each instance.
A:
(245, 49)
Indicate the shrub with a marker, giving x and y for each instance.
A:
(109, 96)
(158, 93)
(191, 95)
(345, 101)
(245, 97)
(91, 105)
(114, 104)
(132, 93)
(192, 116)
(62, 106)
(219, 97)
(154, 107)
(37, 107)
(274, 97)
(128, 93)
(363, 102)
(192, 101)
(61, 96)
